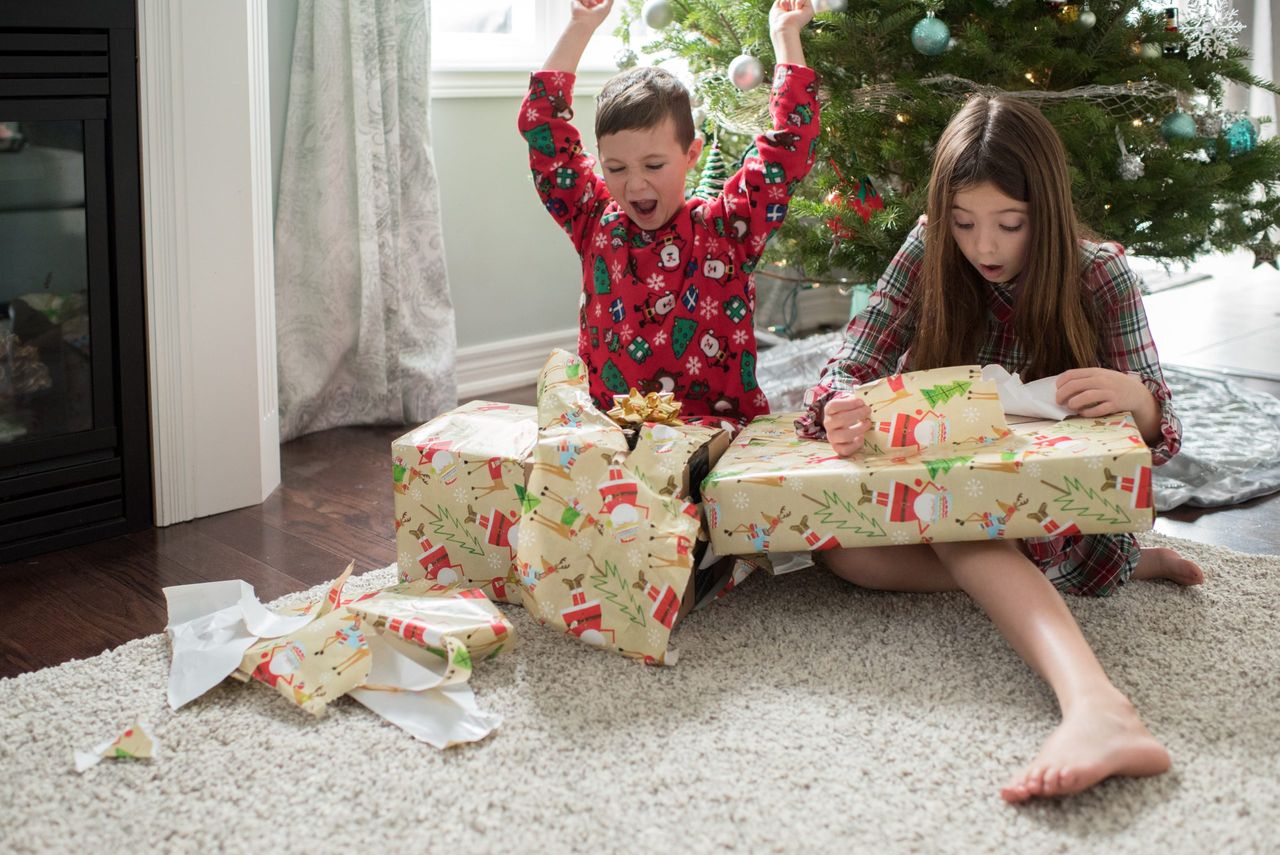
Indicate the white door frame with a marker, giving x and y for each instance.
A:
(207, 233)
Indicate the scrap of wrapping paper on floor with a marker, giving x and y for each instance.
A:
(424, 640)
(605, 551)
(415, 641)
(212, 624)
(135, 743)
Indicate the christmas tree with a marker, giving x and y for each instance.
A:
(943, 392)
(1135, 93)
(714, 173)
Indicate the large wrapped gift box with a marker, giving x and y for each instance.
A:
(941, 463)
(458, 483)
(608, 539)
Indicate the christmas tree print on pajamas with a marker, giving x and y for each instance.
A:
(671, 310)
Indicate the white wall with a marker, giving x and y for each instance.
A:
(512, 270)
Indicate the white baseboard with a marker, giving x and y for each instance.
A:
(498, 366)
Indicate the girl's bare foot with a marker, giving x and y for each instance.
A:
(1159, 562)
(1099, 738)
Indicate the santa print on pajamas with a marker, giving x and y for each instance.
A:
(671, 310)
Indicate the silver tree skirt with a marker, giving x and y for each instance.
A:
(1231, 434)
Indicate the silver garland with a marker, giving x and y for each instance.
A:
(748, 112)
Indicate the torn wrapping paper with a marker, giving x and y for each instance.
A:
(416, 638)
(774, 492)
(135, 743)
(213, 624)
(207, 634)
(608, 542)
(424, 640)
(1039, 398)
(459, 481)
(314, 665)
(455, 625)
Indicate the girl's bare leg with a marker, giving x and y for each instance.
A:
(1100, 734)
(913, 569)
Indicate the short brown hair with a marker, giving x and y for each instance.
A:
(641, 98)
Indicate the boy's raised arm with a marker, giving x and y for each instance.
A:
(786, 19)
(585, 17)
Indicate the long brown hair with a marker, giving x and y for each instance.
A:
(1009, 143)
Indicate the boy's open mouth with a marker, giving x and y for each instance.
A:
(645, 207)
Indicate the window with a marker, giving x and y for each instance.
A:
(488, 47)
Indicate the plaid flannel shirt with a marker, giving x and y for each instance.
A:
(877, 342)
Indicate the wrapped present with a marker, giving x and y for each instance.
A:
(459, 482)
(608, 541)
(941, 464)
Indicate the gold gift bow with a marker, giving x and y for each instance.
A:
(636, 409)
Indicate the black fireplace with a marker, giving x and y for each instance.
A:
(75, 460)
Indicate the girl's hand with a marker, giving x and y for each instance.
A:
(1095, 392)
(847, 418)
(589, 12)
(790, 15)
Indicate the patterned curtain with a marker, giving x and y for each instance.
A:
(364, 319)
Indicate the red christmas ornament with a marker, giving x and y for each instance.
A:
(867, 200)
(863, 202)
(835, 199)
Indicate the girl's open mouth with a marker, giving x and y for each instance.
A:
(991, 269)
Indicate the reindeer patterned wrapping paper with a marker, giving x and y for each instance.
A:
(443, 626)
(967, 475)
(457, 625)
(459, 482)
(607, 541)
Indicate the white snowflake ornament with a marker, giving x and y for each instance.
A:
(1210, 28)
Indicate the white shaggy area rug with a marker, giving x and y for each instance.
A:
(804, 715)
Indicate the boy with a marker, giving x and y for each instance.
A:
(667, 296)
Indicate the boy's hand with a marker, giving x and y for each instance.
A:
(790, 15)
(847, 418)
(584, 17)
(589, 12)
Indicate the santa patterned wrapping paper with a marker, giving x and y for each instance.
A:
(924, 409)
(943, 466)
(607, 541)
(331, 656)
(458, 482)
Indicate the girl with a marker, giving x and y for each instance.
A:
(997, 273)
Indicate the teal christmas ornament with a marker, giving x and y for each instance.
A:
(930, 35)
(1241, 136)
(1178, 126)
